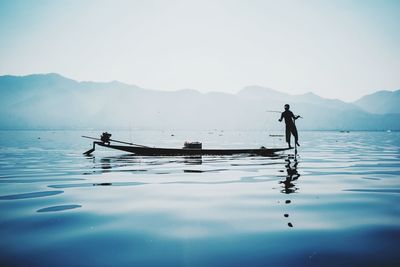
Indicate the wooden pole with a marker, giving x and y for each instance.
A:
(122, 142)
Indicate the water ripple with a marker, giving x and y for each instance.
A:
(379, 190)
(31, 195)
(59, 208)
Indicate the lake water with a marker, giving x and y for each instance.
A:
(335, 204)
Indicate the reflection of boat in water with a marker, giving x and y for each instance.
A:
(193, 160)
(189, 149)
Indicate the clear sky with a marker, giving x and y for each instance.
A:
(336, 49)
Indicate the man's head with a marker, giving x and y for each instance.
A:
(287, 106)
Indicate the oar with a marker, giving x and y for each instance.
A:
(87, 153)
(122, 142)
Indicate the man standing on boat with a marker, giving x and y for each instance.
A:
(290, 125)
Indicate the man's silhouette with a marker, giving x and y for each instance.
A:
(290, 125)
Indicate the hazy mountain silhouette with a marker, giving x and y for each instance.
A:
(52, 101)
(381, 102)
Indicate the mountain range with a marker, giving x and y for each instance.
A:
(51, 101)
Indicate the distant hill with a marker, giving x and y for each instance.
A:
(382, 102)
(51, 101)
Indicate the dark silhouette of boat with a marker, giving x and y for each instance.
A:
(189, 149)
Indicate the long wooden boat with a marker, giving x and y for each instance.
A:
(158, 151)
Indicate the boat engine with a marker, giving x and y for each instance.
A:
(105, 138)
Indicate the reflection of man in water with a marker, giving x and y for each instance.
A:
(292, 175)
(290, 125)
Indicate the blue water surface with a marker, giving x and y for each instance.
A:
(336, 203)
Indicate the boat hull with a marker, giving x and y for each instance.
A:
(155, 151)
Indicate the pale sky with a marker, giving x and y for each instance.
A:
(336, 49)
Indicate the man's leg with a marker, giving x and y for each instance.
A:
(288, 135)
(296, 135)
